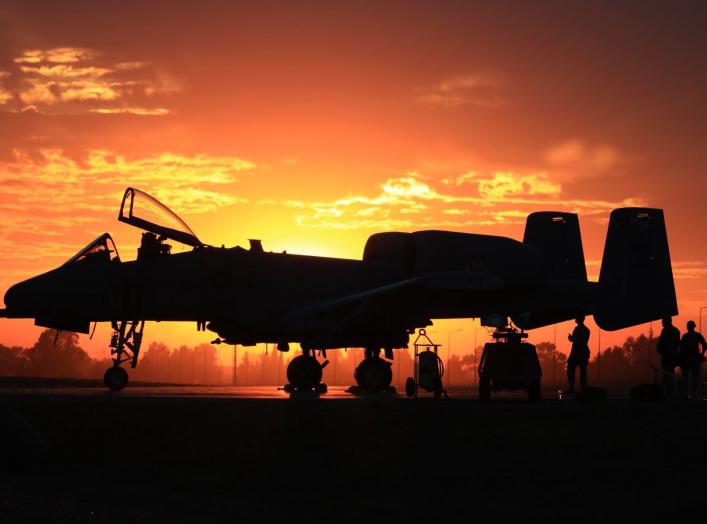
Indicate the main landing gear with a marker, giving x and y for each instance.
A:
(304, 374)
(374, 374)
(125, 345)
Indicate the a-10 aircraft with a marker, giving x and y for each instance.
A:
(402, 282)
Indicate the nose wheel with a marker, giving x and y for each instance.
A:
(125, 345)
(116, 378)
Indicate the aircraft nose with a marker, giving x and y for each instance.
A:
(14, 296)
(20, 296)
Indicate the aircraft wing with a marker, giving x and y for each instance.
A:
(379, 301)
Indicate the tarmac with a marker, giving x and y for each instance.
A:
(202, 454)
(226, 392)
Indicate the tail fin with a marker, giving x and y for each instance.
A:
(557, 237)
(636, 280)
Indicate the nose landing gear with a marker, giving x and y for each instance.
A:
(125, 345)
(115, 378)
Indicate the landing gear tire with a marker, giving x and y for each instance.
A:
(116, 378)
(374, 374)
(304, 373)
(484, 389)
(410, 387)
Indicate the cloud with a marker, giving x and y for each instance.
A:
(477, 90)
(579, 159)
(77, 80)
(506, 183)
(145, 111)
(477, 199)
(5, 95)
(689, 269)
(129, 66)
(61, 55)
(48, 176)
(49, 197)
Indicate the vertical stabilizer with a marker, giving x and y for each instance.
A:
(556, 235)
(558, 240)
(636, 280)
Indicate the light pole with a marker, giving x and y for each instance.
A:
(599, 358)
(650, 350)
(701, 308)
(263, 371)
(279, 366)
(235, 365)
(449, 353)
(476, 330)
(554, 356)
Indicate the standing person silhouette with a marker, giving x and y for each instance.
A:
(692, 354)
(669, 351)
(579, 354)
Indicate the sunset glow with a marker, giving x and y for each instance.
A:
(314, 125)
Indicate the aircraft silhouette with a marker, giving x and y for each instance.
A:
(404, 280)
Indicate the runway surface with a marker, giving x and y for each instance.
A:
(190, 454)
(233, 392)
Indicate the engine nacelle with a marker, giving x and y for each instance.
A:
(431, 251)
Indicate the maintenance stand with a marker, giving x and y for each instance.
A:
(509, 363)
(428, 368)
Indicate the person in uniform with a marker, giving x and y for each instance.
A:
(692, 354)
(669, 351)
(579, 354)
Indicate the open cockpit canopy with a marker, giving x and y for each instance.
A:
(99, 251)
(146, 212)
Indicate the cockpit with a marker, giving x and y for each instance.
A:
(159, 222)
(100, 251)
(146, 212)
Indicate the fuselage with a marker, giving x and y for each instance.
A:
(246, 296)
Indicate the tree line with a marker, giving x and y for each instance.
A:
(60, 355)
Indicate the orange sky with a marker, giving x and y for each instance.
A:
(311, 125)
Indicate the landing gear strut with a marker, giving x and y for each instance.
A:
(125, 345)
(304, 374)
(373, 374)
